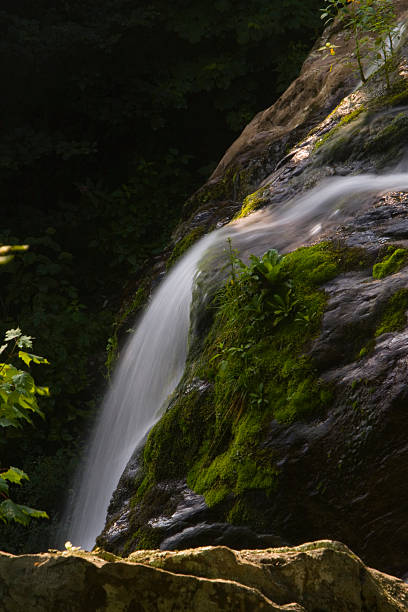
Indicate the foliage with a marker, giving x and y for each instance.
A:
(376, 17)
(129, 308)
(18, 402)
(63, 325)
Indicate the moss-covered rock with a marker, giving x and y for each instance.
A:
(297, 381)
(255, 361)
(183, 245)
(394, 317)
(393, 261)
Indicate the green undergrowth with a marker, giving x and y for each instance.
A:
(392, 262)
(257, 369)
(183, 245)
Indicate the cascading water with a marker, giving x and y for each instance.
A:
(153, 362)
(149, 370)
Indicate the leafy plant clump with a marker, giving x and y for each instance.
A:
(257, 369)
(18, 403)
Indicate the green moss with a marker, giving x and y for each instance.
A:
(367, 348)
(398, 95)
(255, 358)
(394, 134)
(392, 263)
(142, 486)
(260, 372)
(238, 468)
(343, 121)
(183, 245)
(235, 184)
(251, 203)
(145, 538)
(175, 441)
(394, 317)
(105, 555)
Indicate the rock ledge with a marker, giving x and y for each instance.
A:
(317, 576)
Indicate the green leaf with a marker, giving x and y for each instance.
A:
(9, 511)
(23, 382)
(4, 422)
(25, 341)
(29, 357)
(14, 475)
(12, 334)
(4, 488)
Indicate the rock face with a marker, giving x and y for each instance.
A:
(337, 473)
(309, 578)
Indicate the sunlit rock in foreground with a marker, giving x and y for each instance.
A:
(322, 575)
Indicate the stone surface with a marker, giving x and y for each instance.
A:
(341, 474)
(309, 578)
(321, 85)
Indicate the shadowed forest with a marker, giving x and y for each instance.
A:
(112, 115)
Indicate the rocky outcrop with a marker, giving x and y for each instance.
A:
(309, 578)
(322, 84)
(337, 472)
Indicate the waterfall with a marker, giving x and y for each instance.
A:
(150, 368)
(152, 364)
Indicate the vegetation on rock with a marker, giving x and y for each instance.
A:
(255, 361)
(393, 261)
(376, 18)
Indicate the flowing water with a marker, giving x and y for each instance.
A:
(150, 368)
(152, 364)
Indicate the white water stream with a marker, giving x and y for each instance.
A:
(152, 364)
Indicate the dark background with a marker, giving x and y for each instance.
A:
(112, 114)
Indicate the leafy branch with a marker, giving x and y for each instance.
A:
(18, 403)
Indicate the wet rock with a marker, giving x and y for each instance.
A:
(219, 534)
(340, 472)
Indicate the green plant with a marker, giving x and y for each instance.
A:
(257, 371)
(330, 49)
(18, 403)
(376, 17)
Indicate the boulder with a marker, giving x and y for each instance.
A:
(312, 577)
